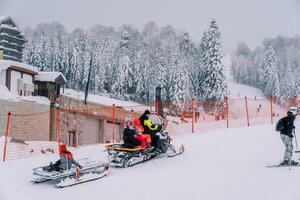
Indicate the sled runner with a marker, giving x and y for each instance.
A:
(91, 170)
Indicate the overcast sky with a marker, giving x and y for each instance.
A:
(239, 20)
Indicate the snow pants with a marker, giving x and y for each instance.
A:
(142, 140)
(145, 140)
(288, 143)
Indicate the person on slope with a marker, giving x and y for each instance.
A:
(151, 129)
(65, 161)
(131, 138)
(140, 130)
(286, 135)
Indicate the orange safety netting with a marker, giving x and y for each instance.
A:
(77, 124)
(27, 135)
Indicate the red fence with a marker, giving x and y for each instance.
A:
(27, 135)
(41, 133)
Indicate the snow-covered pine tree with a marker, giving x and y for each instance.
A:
(288, 83)
(80, 58)
(122, 64)
(213, 85)
(199, 66)
(40, 53)
(187, 54)
(271, 86)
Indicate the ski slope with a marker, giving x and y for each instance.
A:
(225, 164)
(236, 90)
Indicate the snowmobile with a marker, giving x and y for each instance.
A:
(121, 156)
(91, 170)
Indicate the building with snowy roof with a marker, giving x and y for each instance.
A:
(11, 40)
(17, 77)
(48, 84)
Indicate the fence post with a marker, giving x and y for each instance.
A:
(113, 123)
(227, 113)
(6, 135)
(271, 105)
(193, 117)
(58, 126)
(247, 111)
(156, 106)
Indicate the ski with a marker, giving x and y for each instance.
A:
(68, 182)
(278, 165)
(178, 152)
(40, 180)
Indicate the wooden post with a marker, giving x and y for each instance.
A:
(6, 135)
(77, 174)
(113, 123)
(227, 113)
(247, 113)
(58, 126)
(193, 117)
(271, 105)
(156, 106)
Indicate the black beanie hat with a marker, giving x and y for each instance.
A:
(147, 112)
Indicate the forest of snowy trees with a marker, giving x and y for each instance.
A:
(274, 67)
(129, 64)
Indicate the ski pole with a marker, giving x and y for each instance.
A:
(296, 143)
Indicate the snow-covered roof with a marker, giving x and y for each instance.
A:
(4, 64)
(104, 100)
(56, 77)
(7, 95)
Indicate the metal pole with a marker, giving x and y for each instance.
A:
(227, 113)
(58, 126)
(296, 143)
(193, 118)
(6, 135)
(113, 123)
(247, 112)
(271, 103)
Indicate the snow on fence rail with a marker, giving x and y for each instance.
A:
(41, 133)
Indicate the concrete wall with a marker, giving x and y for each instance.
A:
(91, 111)
(29, 121)
(2, 77)
(13, 82)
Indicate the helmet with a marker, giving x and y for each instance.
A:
(137, 121)
(138, 125)
(293, 110)
(62, 148)
(128, 118)
(147, 112)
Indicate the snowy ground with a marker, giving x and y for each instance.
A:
(236, 90)
(221, 164)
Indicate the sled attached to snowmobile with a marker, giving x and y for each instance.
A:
(91, 170)
(121, 156)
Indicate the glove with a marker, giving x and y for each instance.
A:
(80, 167)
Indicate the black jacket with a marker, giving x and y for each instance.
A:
(129, 138)
(146, 128)
(288, 126)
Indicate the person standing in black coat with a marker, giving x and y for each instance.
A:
(286, 135)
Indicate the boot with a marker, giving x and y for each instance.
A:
(284, 163)
(294, 163)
